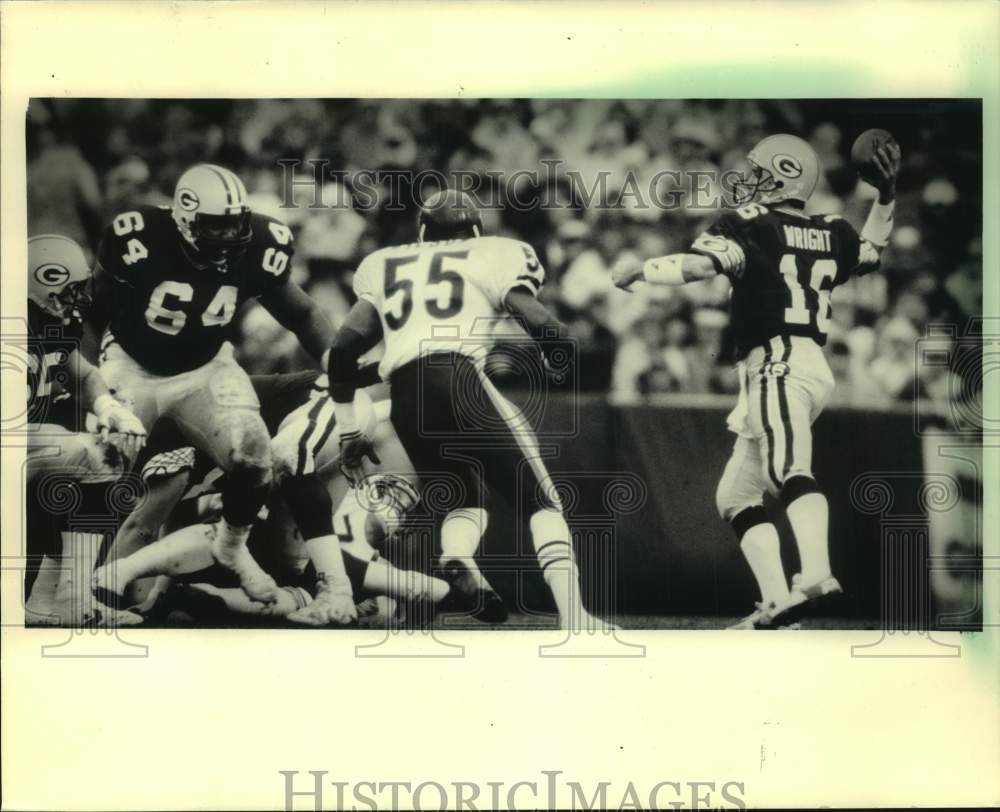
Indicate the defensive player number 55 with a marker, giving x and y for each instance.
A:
(437, 275)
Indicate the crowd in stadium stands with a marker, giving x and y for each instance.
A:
(89, 160)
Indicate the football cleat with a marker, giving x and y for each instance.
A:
(767, 617)
(471, 595)
(810, 600)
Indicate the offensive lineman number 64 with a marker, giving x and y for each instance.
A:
(221, 309)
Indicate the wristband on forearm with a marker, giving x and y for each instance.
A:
(347, 420)
(878, 226)
(668, 270)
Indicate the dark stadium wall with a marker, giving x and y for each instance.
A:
(673, 552)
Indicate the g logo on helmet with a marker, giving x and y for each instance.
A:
(787, 165)
(52, 274)
(187, 199)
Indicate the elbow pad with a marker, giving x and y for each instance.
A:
(878, 226)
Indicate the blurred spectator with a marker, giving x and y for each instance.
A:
(894, 365)
(654, 340)
(64, 196)
(127, 186)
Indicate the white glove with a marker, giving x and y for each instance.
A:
(112, 416)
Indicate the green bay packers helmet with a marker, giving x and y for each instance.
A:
(783, 168)
(58, 277)
(211, 212)
(449, 214)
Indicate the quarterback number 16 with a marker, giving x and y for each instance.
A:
(820, 275)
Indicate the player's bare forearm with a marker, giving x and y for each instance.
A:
(88, 379)
(295, 310)
(361, 330)
(97, 318)
(538, 321)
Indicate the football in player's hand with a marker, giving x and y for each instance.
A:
(863, 153)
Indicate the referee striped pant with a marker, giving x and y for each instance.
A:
(784, 386)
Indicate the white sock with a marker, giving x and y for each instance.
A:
(763, 553)
(809, 517)
(551, 537)
(461, 532)
(43, 590)
(79, 555)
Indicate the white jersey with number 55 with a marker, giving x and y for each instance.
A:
(444, 296)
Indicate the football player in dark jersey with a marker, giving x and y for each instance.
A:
(62, 388)
(168, 283)
(783, 265)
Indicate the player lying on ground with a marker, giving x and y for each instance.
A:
(184, 492)
(167, 284)
(782, 264)
(62, 387)
(185, 555)
(434, 302)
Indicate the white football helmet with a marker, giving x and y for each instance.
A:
(783, 168)
(211, 211)
(58, 274)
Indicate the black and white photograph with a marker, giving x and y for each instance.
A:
(503, 363)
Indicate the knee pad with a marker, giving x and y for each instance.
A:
(796, 486)
(748, 518)
(250, 453)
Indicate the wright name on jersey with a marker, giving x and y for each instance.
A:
(166, 313)
(783, 267)
(446, 296)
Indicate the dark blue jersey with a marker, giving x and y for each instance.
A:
(168, 314)
(783, 266)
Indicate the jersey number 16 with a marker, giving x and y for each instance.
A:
(819, 275)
